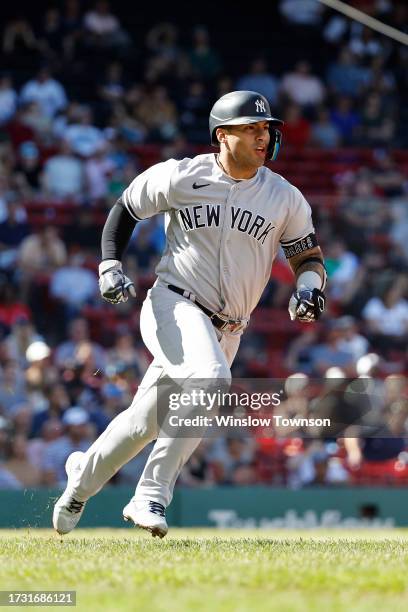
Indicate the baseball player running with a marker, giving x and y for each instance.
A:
(226, 214)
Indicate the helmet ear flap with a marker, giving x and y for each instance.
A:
(274, 143)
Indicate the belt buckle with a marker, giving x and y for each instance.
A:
(229, 324)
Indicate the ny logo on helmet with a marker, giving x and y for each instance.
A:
(260, 106)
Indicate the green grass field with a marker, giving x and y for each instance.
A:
(197, 570)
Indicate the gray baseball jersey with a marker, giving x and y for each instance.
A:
(222, 234)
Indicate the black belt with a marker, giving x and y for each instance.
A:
(216, 320)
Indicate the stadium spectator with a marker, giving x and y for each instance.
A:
(205, 61)
(297, 128)
(364, 214)
(198, 471)
(42, 252)
(345, 119)
(157, 113)
(232, 460)
(50, 36)
(19, 464)
(22, 335)
(72, 351)
(301, 12)
(387, 176)
(346, 76)
(127, 124)
(13, 391)
(21, 419)
(99, 168)
(27, 171)
(352, 341)
(194, 112)
(365, 43)
(38, 122)
(324, 133)
(7, 480)
(58, 401)
(13, 230)
(342, 265)
(8, 99)
(78, 436)
(111, 91)
(377, 127)
(48, 93)
(51, 430)
(40, 373)
(315, 467)
(72, 31)
(125, 355)
(331, 353)
(19, 45)
(12, 307)
(103, 28)
(166, 61)
(399, 228)
(81, 234)
(259, 79)
(84, 138)
(18, 129)
(73, 285)
(63, 175)
(387, 316)
(302, 87)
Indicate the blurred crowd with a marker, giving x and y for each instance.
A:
(85, 105)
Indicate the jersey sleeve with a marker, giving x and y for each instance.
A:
(298, 234)
(148, 194)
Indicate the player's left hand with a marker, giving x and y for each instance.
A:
(306, 305)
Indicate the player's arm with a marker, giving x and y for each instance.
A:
(308, 301)
(114, 286)
(301, 248)
(309, 261)
(146, 196)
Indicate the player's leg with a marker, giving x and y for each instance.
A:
(169, 454)
(164, 316)
(122, 440)
(206, 355)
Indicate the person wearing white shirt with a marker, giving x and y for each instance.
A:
(73, 284)
(63, 175)
(48, 93)
(388, 316)
(85, 138)
(303, 87)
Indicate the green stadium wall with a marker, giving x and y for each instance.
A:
(241, 507)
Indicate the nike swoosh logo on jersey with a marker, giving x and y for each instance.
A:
(195, 186)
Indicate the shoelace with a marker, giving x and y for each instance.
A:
(75, 506)
(157, 508)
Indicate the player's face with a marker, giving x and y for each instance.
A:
(248, 144)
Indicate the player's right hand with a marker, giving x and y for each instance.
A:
(114, 285)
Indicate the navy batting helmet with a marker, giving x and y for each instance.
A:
(240, 107)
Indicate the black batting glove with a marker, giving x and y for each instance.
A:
(306, 305)
(114, 285)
